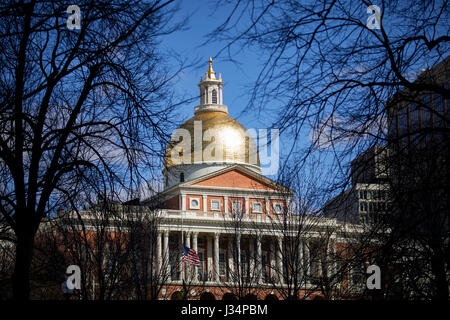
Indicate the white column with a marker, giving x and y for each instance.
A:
(183, 202)
(188, 265)
(258, 259)
(273, 267)
(324, 262)
(247, 211)
(181, 266)
(280, 258)
(238, 254)
(194, 246)
(230, 259)
(300, 258)
(209, 256)
(307, 261)
(251, 249)
(216, 256)
(266, 200)
(225, 204)
(205, 204)
(334, 257)
(158, 253)
(166, 254)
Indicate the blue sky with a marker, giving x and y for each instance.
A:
(191, 45)
(194, 46)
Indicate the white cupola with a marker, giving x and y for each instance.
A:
(211, 98)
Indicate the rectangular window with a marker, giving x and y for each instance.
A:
(414, 117)
(222, 263)
(358, 274)
(236, 206)
(426, 111)
(375, 194)
(243, 263)
(215, 205)
(202, 276)
(257, 207)
(264, 266)
(363, 206)
(393, 126)
(173, 261)
(277, 208)
(439, 108)
(403, 121)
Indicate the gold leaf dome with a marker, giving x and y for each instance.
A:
(209, 139)
(238, 147)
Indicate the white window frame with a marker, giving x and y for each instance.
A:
(214, 201)
(233, 202)
(260, 210)
(275, 205)
(194, 207)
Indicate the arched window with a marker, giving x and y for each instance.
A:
(182, 177)
(214, 96)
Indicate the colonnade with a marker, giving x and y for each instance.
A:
(211, 263)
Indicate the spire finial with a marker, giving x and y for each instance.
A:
(211, 74)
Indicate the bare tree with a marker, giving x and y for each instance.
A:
(146, 276)
(76, 104)
(241, 279)
(96, 240)
(338, 70)
(302, 252)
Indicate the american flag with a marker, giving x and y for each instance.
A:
(190, 256)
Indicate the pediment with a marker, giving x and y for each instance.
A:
(236, 178)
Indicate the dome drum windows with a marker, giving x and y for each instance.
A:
(214, 96)
(203, 96)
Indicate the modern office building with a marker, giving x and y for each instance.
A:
(367, 197)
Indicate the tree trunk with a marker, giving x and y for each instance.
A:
(440, 279)
(24, 254)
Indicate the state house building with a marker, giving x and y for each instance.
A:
(216, 202)
(226, 210)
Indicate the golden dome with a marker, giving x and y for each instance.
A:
(222, 133)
